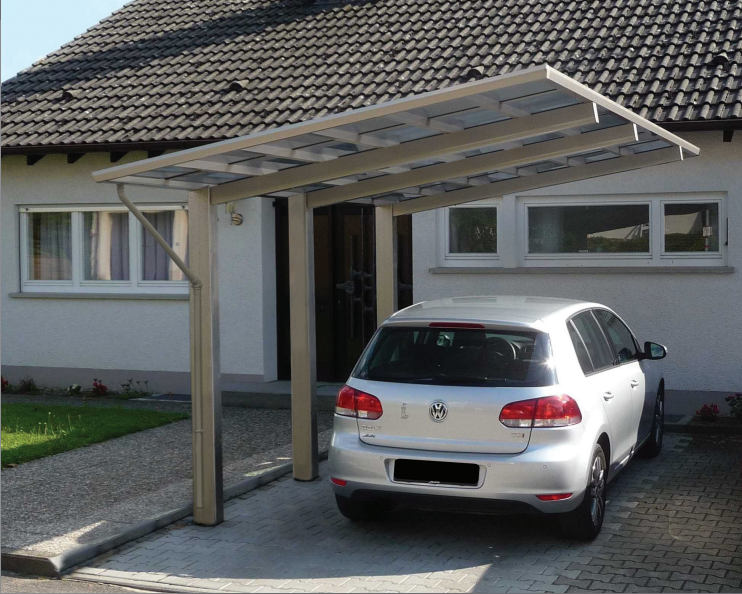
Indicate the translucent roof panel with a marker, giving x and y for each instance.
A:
(513, 132)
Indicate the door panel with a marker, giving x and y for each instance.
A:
(354, 285)
(345, 286)
(612, 388)
(609, 383)
(404, 261)
(638, 390)
(626, 353)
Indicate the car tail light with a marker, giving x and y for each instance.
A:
(551, 411)
(338, 482)
(554, 497)
(518, 414)
(354, 403)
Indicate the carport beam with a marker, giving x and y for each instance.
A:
(303, 340)
(206, 398)
(386, 263)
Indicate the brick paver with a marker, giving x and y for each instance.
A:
(673, 523)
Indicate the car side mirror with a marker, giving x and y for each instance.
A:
(654, 351)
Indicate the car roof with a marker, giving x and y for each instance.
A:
(509, 309)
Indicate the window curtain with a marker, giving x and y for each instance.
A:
(106, 248)
(156, 264)
(51, 246)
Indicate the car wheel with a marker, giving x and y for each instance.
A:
(654, 443)
(359, 511)
(585, 522)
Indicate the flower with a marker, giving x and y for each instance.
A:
(708, 412)
(99, 389)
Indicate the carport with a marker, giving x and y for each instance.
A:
(500, 136)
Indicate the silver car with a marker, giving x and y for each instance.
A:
(496, 404)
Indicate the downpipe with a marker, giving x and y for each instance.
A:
(196, 286)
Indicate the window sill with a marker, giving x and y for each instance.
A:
(585, 270)
(129, 296)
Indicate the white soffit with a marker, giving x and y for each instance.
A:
(511, 133)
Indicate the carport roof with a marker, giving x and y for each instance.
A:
(511, 133)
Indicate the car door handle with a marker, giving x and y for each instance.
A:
(633, 383)
(607, 395)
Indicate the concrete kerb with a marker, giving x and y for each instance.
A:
(140, 584)
(40, 564)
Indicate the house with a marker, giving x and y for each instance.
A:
(86, 293)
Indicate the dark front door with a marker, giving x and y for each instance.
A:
(345, 288)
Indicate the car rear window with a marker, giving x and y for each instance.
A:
(471, 357)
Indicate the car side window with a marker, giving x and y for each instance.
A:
(582, 355)
(618, 335)
(595, 342)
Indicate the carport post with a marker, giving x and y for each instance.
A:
(206, 397)
(303, 340)
(386, 263)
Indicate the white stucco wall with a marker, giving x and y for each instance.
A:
(698, 316)
(143, 335)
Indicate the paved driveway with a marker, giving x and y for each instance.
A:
(59, 502)
(674, 523)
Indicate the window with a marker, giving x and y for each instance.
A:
(691, 227)
(580, 349)
(618, 335)
(49, 249)
(472, 230)
(105, 238)
(173, 227)
(589, 229)
(597, 348)
(101, 249)
(469, 357)
(470, 234)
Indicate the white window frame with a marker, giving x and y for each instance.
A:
(665, 255)
(469, 259)
(78, 285)
(512, 233)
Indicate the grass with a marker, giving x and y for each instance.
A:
(32, 431)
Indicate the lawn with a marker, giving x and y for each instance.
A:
(31, 431)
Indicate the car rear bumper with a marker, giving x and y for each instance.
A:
(556, 461)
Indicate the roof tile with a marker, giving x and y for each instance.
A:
(160, 70)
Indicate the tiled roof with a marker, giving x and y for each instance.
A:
(201, 70)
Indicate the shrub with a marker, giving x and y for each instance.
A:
(74, 390)
(735, 404)
(134, 388)
(708, 412)
(27, 386)
(99, 389)
(4, 384)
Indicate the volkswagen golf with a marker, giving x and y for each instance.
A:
(496, 405)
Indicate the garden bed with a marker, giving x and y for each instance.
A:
(718, 421)
(31, 431)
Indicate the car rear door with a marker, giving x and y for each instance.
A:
(607, 382)
(626, 352)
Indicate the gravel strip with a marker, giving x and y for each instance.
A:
(87, 494)
(161, 405)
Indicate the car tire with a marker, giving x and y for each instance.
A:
(654, 443)
(359, 511)
(585, 522)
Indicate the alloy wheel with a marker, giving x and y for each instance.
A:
(597, 487)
